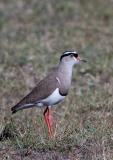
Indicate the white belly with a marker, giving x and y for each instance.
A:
(53, 99)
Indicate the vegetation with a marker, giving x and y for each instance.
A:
(33, 35)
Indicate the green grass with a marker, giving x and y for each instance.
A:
(33, 35)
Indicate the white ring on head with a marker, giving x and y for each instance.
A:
(67, 52)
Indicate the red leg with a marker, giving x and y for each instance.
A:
(48, 121)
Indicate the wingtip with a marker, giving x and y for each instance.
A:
(13, 110)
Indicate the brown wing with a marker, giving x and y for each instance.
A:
(44, 88)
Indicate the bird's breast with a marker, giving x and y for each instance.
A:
(52, 99)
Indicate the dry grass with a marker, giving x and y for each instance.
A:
(33, 34)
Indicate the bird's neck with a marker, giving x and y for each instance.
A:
(65, 72)
(63, 67)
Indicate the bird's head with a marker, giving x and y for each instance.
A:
(71, 57)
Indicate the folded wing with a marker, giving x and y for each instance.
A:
(44, 88)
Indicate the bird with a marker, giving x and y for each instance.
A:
(52, 89)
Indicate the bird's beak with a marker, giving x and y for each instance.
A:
(80, 59)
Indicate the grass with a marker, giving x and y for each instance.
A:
(33, 35)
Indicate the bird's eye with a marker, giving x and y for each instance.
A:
(76, 55)
(71, 55)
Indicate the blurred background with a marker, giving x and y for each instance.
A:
(33, 35)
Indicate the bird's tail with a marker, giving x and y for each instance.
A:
(18, 107)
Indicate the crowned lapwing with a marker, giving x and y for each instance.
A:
(52, 89)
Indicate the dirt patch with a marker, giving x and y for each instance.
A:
(89, 150)
(34, 155)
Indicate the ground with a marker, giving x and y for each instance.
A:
(33, 35)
